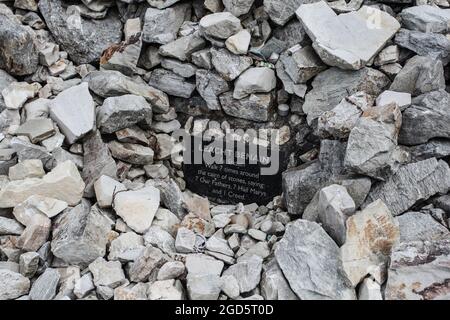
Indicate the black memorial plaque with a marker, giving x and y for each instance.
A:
(234, 183)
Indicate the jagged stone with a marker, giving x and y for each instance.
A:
(171, 83)
(105, 190)
(26, 169)
(282, 12)
(274, 285)
(302, 65)
(256, 107)
(238, 7)
(220, 25)
(238, 43)
(417, 226)
(210, 86)
(166, 290)
(229, 65)
(12, 285)
(254, 80)
(10, 227)
(183, 47)
(147, 264)
(44, 288)
(107, 273)
(311, 263)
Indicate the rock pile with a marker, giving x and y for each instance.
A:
(94, 206)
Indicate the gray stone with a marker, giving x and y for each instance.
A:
(220, 25)
(147, 264)
(247, 272)
(166, 290)
(171, 195)
(5, 81)
(171, 83)
(123, 56)
(161, 26)
(254, 80)
(239, 43)
(161, 239)
(204, 287)
(427, 118)
(274, 285)
(333, 85)
(285, 37)
(83, 39)
(185, 70)
(220, 245)
(200, 264)
(44, 288)
(335, 207)
(419, 271)
(417, 226)
(83, 286)
(17, 93)
(256, 107)
(302, 65)
(373, 141)
(238, 7)
(388, 55)
(105, 190)
(282, 12)
(113, 83)
(10, 227)
(97, 161)
(171, 270)
(131, 153)
(107, 273)
(122, 112)
(402, 99)
(137, 208)
(12, 285)
(183, 47)
(420, 75)
(337, 38)
(436, 148)
(411, 183)
(229, 65)
(74, 112)
(18, 50)
(433, 45)
(28, 151)
(210, 85)
(80, 234)
(127, 247)
(36, 129)
(185, 241)
(311, 262)
(28, 264)
(426, 18)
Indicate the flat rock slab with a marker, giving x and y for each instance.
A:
(349, 40)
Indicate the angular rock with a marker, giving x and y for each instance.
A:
(171, 270)
(12, 285)
(83, 286)
(335, 207)
(10, 227)
(333, 85)
(274, 285)
(256, 107)
(254, 80)
(107, 273)
(185, 241)
(311, 263)
(183, 47)
(282, 12)
(131, 153)
(127, 247)
(402, 99)
(122, 112)
(302, 65)
(419, 75)
(171, 83)
(28, 264)
(149, 262)
(417, 226)
(37, 129)
(228, 65)
(210, 86)
(161, 239)
(238, 43)
(18, 49)
(204, 287)
(80, 235)
(166, 290)
(161, 26)
(185, 70)
(247, 272)
(220, 25)
(419, 271)
(113, 83)
(426, 18)
(105, 190)
(369, 290)
(26, 169)
(137, 208)
(238, 7)
(83, 39)
(74, 112)
(371, 234)
(337, 38)
(410, 184)
(62, 183)
(427, 118)
(44, 288)
(373, 141)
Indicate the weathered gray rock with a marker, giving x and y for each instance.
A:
(5, 81)
(80, 234)
(210, 86)
(74, 112)
(183, 47)
(171, 270)
(254, 80)
(18, 49)
(411, 183)
(161, 4)
(17, 93)
(420, 75)
(337, 38)
(285, 37)
(371, 234)
(256, 107)
(247, 272)
(402, 99)
(274, 285)
(28, 264)
(62, 183)
(44, 288)
(238, 7)
(12, 285)
(171, 195)
(158, 237)
(166, 290)
(147, 264)
(335, 207)
(419, 271)
(161, 26)
(122, 112)
(333, 85)
(131, 153)
(204, 287)
(10, 227)
(282, 12)
(311, 263)
(107, 273)
(302, 65)
(37, 129)
(137, 208)
(185, 70)
(436, 148)
(427, 118)
(229, 65)
(426, 18)
(239, 43)
(220, 25)
(417, 226)
(373, 141)
(113, 83)
(171, 83)
(83, 39)
(185, 241)
(105, 190)
(83, 286)
(433, 45)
